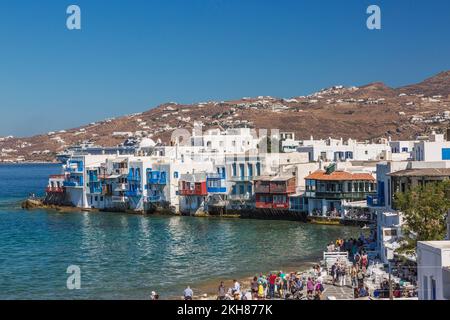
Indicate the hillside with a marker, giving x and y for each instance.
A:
(364, 113)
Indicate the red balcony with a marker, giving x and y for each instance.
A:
(263, 205)
(54, 190)
(262, 187)
(193, 188)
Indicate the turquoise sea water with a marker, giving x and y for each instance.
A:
(125, 256)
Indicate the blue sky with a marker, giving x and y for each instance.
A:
(133, 55)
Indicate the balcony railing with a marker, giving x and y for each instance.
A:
(72, 184)
(133, 193)
(121, 187)
(243, 178)
(121, 171)
(54, 190)
(262, 188)
(343, 195)
(217, 189)
(153, 198)
(192, 192)
(119, 199)
(240, 197)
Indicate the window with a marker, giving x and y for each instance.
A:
(241, 169)
(233, 190)
(241, 189)
(175, 174)
(250, 170)
(258, 169)
(233, 168)
(446, 154)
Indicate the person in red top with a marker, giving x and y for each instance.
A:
(272, 279)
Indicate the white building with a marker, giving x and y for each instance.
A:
(433, 270)
(340, 150)
(436, 148)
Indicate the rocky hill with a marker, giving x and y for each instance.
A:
(366, 113)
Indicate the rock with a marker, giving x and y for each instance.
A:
(31, 204)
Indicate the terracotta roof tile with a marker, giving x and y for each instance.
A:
(339, 175)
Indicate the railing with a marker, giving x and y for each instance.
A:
(96, 189)
(240, 197)
(243, 178)
(190, 192)
(121, 187)
(133, 193)
(264, 205)
(262, 188)
(157, 177)
(121, 171)
(71, 184)
(280, 205)
(119, 199)
(215, 176)
(342, 195)
(331, 258)
(153, 198)
(217, 189)
(54, 190)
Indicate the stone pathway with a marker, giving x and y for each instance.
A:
(339, 293)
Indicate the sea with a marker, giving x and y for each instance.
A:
(126, 256)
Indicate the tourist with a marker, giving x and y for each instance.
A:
(334, 273)
(318, 289)
(236, 287)
(221, 292)
(254, 287)
(363, 292)
(272, 279)
(188, 293)
(154, 296)
(342, 275)
(309, 287)
(353, 274)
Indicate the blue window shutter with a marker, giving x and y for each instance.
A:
(446, 154)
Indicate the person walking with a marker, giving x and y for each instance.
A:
(342, 276)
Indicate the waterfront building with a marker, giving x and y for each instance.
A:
(433, 270)
(163, 182)
(332, 192)
(272, 192)
(193, 193)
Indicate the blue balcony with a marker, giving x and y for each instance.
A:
(216, 189)
(157, 177)
(154, 198)
(95, 187)
(133, 193)
(75, 166)
(72, 184)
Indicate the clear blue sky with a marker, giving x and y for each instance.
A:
(133, 55)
